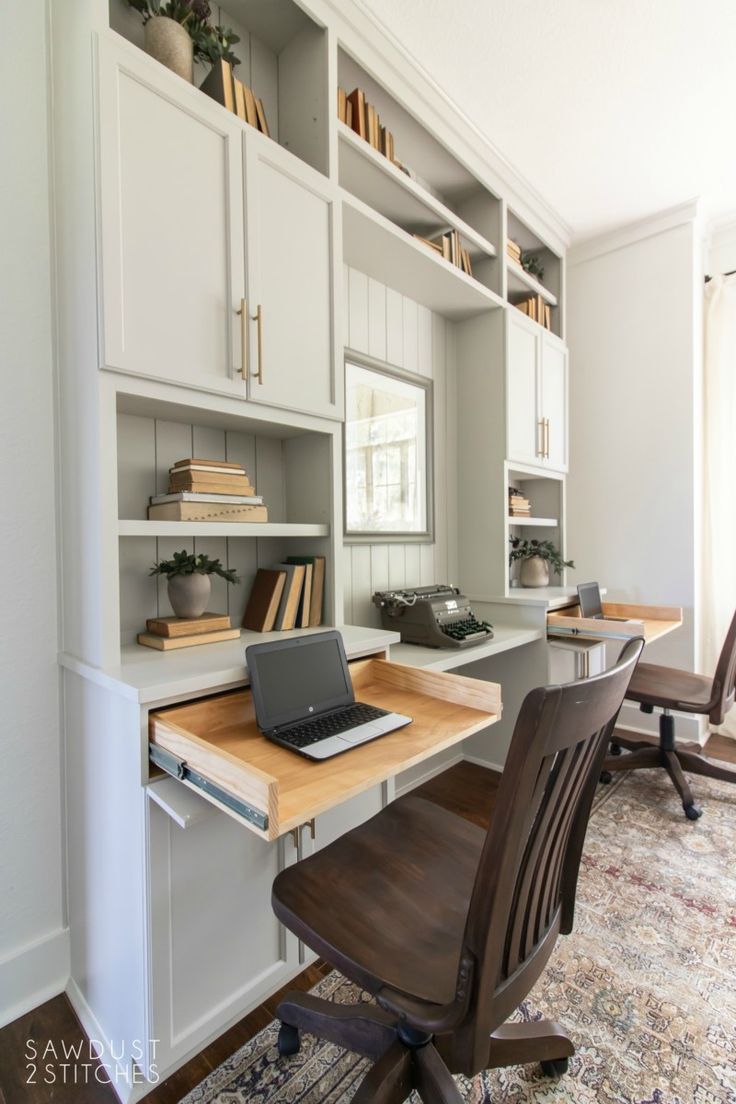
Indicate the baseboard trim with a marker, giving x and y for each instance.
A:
(497, 767)
(33, 974)
(126, 1093)
(432, 772)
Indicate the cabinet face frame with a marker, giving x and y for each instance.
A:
(113, 63)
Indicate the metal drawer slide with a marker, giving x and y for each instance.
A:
(177, 768)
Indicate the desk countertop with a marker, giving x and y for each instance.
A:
(445, 659)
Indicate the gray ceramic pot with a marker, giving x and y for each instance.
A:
(534, 572)
(189, 594)
(168, 42)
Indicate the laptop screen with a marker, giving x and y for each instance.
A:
(298, 678)
(589, 596)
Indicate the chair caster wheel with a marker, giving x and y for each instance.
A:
(615, 749)
(606, 778)
(555, 1067)
(288, 1042)
(692, 812)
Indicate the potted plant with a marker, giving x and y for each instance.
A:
(189, 581)
(536, 559)
(178, 31)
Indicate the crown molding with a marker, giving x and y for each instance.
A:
(361, 32)
(622, 236)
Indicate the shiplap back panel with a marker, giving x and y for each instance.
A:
(393, 328)
(147, 448)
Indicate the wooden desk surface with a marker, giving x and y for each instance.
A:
(218, 738)
(651, 622)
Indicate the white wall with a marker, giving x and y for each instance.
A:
(634, 330)
(383, 324)
(33, 945)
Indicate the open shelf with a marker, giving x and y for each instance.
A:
(521, 284)
(367, 174)
(376, 246)
(537, 522)
(140, 528)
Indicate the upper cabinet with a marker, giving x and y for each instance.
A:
(217, 249)
(536, 395)
(171, 224)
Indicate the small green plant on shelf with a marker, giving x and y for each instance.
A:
(537, 557)
(186, 563)
(210, 42)
(530, 263)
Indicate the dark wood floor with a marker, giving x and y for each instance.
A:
(465, 789)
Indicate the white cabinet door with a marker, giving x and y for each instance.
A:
(171, 217)
(522, 358)
(291, 227)
(553, 395)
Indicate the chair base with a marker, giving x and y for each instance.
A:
(406, 1060)
(645, 756)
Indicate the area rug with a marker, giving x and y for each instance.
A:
(645, 986)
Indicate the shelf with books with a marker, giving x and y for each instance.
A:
(521, 284)
(283, 60)
(534, 275)
(138, 528)
(373, 244)
(537, 522)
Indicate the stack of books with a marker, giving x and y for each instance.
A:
(208, 490)
(513, 251)
(450, 247)
(221, 84)
(166, 633)
(362, 117)
(519, 505)
(536, 309)
(288, 595)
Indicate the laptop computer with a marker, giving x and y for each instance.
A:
(304, 698)
(589, 597)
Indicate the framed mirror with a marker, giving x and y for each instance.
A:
(388, 452)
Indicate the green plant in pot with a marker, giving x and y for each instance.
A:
(189, 581)
(178, 31)
(536, 557)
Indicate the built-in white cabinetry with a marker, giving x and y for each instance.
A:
(536, 394)
(217, 246)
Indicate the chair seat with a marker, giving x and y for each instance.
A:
(671, 688)
(386, 903)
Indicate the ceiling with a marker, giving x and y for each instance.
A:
(612, 110)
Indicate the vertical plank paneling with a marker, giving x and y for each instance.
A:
(413, 565)
(270, 476)
(347, 574)
(394, 327)
(377, 319)
(364, 612)
(136, 465)
(396, 565)
(173, 442)
(410, 313)
(358, 310)
(378, 578)
(208, 443)
(138, 589)
(425, 345)
(264, 79)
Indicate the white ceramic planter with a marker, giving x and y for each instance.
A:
(534, 572)
(189, 594)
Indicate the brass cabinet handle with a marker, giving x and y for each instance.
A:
(546, 438)
(540, 438)
(258, 316)
(243, 312)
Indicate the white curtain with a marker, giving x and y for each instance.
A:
(719, 517)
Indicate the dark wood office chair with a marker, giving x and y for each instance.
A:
(448, 926)
(667, 688)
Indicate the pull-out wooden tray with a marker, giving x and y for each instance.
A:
(214, 745)
(651, 622)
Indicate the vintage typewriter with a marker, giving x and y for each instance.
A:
(438, 616)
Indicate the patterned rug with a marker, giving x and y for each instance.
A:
(645, 985)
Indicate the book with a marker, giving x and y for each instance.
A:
(188, 626)
(203, 496)
(289, 604)
(195, 487)
(264, 600)
(236, 479)
(214, 469)
(207, 511)
(357, 100)
(302, 616)
(166, 643)
(342, 105)
(261, 113)
(208, 481)
(239, 98)
(349, 115)
(218, 84)
(228, 464)
(318, 585)
(251, 113)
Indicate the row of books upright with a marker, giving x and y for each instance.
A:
(222, 85)
(513, 251)
(449, 246)
(536, 309)
(289, 595)
(362, 117)
(208, 490)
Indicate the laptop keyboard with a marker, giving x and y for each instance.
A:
(320, 728)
